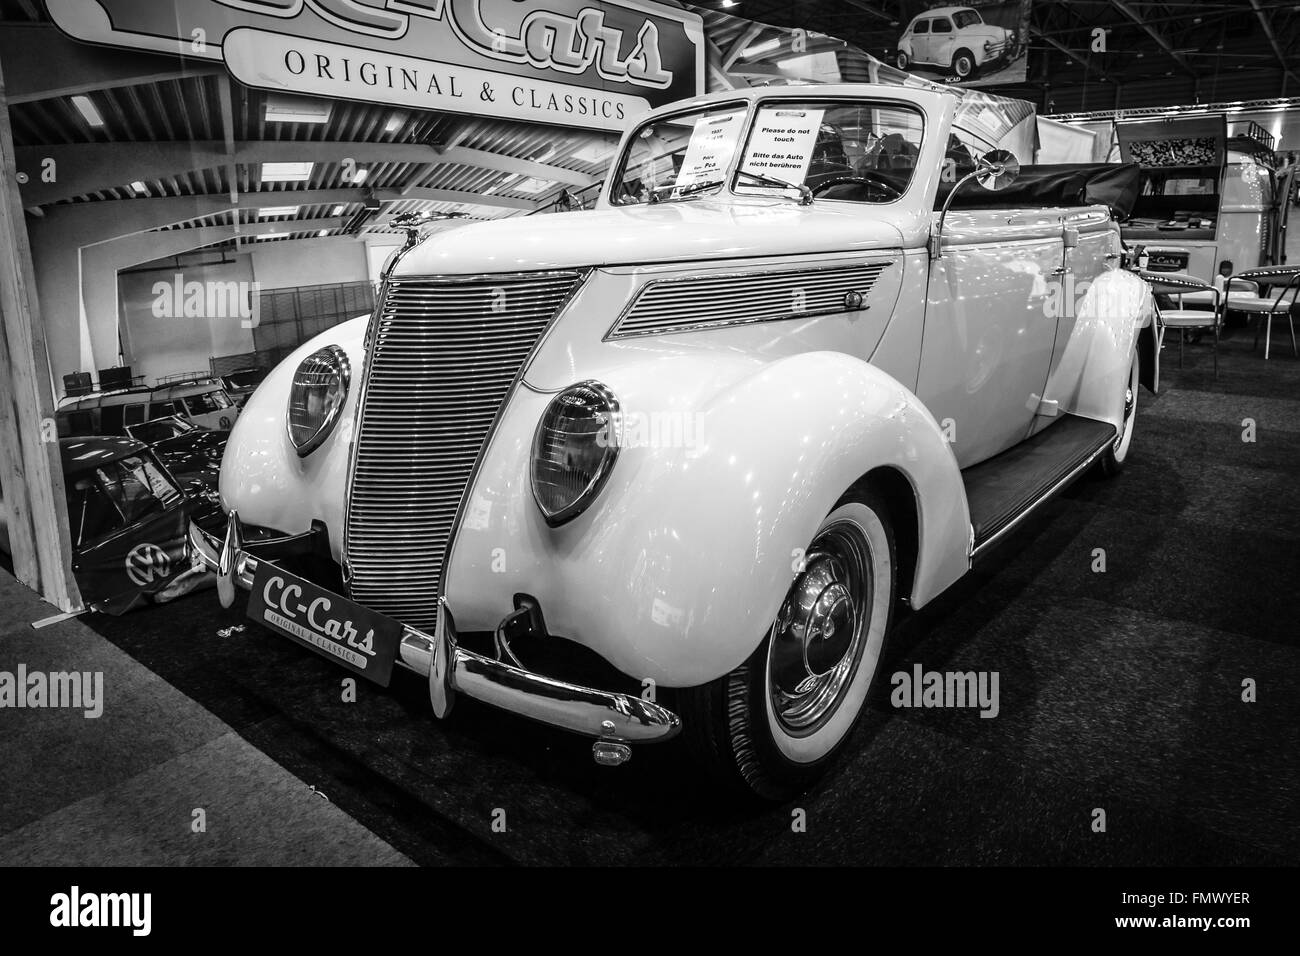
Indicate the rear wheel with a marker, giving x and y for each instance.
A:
(775, 723)
(1112, 460)
(902, 60)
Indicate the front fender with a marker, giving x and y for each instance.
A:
(679, 567)
(261, 474)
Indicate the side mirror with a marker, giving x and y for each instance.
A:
(996, 170)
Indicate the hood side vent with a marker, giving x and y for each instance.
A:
(691, 303)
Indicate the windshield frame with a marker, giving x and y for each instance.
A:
(617, 173)
(815, 102)
(751, 106)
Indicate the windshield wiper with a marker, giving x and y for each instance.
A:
(805, 194)
(683, 191)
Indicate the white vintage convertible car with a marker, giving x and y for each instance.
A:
(671, 464)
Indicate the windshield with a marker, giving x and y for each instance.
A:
(117, 494)
(245, 379)
(849, 151)
(137, 486)
(160, 429)
(672, 153)
(966, 18)
(205, 402)
(853, 151)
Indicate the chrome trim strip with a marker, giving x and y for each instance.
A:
(776, 272)
(1042, 499)
(344, 567)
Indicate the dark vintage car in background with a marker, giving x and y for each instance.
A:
(192, 454)
(129, 520)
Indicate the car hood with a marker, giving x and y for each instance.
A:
(665, 232)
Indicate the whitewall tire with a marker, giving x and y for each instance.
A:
(774, 724)
(1112, 460)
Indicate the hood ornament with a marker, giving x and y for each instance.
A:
(415, 222)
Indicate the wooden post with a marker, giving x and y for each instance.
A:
(31, 470)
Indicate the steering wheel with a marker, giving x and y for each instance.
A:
(864, 178)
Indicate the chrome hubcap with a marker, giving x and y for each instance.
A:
(818, 635)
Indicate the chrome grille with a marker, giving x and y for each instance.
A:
(697, 302)
(444, 354)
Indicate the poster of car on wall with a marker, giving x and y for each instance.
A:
(972, 44)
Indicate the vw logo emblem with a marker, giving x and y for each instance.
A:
(852, 300)
(147, 563)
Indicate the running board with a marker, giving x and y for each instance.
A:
(1008, 487)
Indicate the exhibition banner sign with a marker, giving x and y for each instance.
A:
(585, 63)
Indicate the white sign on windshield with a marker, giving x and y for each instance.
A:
(713, 141)
(781, 145)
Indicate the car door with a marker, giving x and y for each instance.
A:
(921, 42)
(988, 334)
(1091, 247)
(942, 44)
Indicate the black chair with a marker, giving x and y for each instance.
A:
(1288, 277)
(1175, 285)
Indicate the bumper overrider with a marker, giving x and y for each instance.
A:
(614, 719)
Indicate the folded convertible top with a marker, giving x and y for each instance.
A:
(1114, 185)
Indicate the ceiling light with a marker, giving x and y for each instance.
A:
(88, 111)
(395, 121)
(338, 210)
(267, 212)
(728, 4)
(297, 109)
(272, 235)
(140, 188)
(594, 153)
(531, 186)
(286, 172)
(767, 46)
(323, 232)
(500, 184)
(359, 176)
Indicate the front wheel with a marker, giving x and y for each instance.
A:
(774, 724)
(963, 64)
(1112, 459)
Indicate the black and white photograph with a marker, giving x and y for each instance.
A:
(540, 434)
(978, 45)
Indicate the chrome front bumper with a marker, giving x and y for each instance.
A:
(612, 718)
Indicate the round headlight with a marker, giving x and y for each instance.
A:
(574, 450)
(320, 387)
